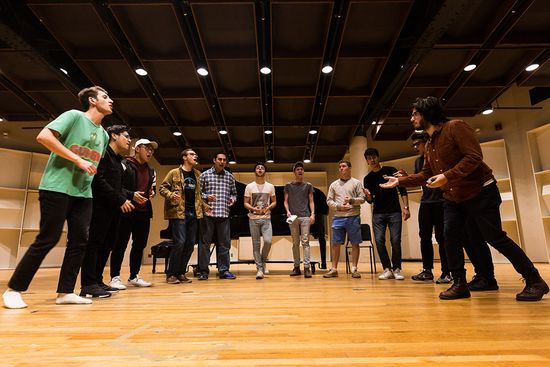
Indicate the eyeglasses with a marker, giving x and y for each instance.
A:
(415, 113)
(193, 154)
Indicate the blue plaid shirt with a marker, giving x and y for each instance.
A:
(222, 185)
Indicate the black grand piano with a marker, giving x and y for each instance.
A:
(240, 227)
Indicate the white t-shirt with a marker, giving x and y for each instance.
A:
(260, 197)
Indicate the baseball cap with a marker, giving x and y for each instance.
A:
(146, 142)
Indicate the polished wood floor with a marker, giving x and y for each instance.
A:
(279, 321)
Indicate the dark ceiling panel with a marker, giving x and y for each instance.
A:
(238, 109)
(190, 110)
(533, 27)
(235, 78)
(439, 67)
(501, 67)
(175, 78)
(473, 97)
(21, 69)
(296, 77)
(292, 110)
(346, 109)
(113, 75)
(356, 76)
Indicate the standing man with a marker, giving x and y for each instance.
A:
(387, 213)
(345, 196)
(299, 203)
(183, 206)
(138, 177)
(217, 188)
(110, 200)
(454, 163)
(77, 141)
(430, 218)
(260, 199)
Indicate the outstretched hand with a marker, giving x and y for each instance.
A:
(391, 183)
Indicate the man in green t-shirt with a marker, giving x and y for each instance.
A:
(77, 142)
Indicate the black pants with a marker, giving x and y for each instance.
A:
(483, 211)
(138, 225)
(103, 234)
(430, 218)
(478, 251)
(55, 208)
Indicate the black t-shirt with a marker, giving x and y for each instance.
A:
(384, 200)
(189, 185)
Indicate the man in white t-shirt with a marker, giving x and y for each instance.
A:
(259, 199)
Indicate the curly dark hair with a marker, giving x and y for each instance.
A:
(431, 110)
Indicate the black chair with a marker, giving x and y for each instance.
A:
(366, 237)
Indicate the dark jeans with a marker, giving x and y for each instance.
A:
(478, 251)
(103, 233)
(430, 218)
(55, 208)
(184, 234)
(483, 211)
(223, 243)
(137, 225)
(379, 223)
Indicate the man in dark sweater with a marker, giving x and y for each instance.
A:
(387, 213)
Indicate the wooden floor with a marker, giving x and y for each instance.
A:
(279, 321)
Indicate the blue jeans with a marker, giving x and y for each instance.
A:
(483, 213)
(299, 230)
(393, 222)
(260, 227)
(184, 233)
(220, 226)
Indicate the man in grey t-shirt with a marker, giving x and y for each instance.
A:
(300, 209)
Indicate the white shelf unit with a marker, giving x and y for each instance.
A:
(19, 207)
(539, 147)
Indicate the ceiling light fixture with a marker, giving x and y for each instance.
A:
(64, 71)
(373, 123)
(312, 131)
(141, 71)
(532, 67)
(176, 133)
(232, 161)
(418, 131)
(307, 160)
(470, 67)
(265, 70)
(487, 110)
(222, 131)
(268, 131)
(202, 71)
(327, 69)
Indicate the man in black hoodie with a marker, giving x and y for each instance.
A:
(109, 200)
(138, 177)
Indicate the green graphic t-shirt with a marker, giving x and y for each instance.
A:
(81, 136)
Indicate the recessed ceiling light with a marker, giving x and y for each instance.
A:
(327, 69)
(265, 70)
(313, 131)
(270, 161)
(532, 67)
(373, 123)
(418, 130)
(141, 71)
(487, 110)
(268, 132)
(177, 133)
(64, 71)
(470, 67)
(223, 131)
(307, 160)
(232, 161)
(202, 71)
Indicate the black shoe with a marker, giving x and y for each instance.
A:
(535, 288)
(295, 272)
(480, 283)
(307, 272)
(183, 279)
(108, 288)
(423, 276)
(203, 276)
(458, 290)
(94, 291)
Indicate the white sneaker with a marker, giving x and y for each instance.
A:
(138, 282)
(387, 274)
(260, 274)
(117, 283)
(71, 299)
(266, 272)
(13, 300)
(397, 274)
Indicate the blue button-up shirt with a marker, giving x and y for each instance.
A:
(221, 185)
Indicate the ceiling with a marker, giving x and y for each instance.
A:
(383, 53)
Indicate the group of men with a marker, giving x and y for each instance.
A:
(460, 199)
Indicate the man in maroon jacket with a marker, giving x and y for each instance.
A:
(454, 163)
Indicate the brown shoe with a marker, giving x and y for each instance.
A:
(172, 279)
(535, 288)
(183, 279)
(295, 272)
(458, 290)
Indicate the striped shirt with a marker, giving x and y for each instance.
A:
(221, 185)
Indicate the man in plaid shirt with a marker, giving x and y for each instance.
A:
(218, 189)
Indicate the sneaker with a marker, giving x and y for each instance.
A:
(480, 283)
(71, 299)
(172, 279)
(332, 273)
(355, 274)
(397, 274)
(387, 274)
(307, 273)
(183, 279)
(266, 272)
(295, 272)
(138, 282)
(108, 288)
(202, 276)
(424, 275)
(444, 279)
(228, 275)
(117, 283)
(259, 274)
(94, 291)
(13, 300)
